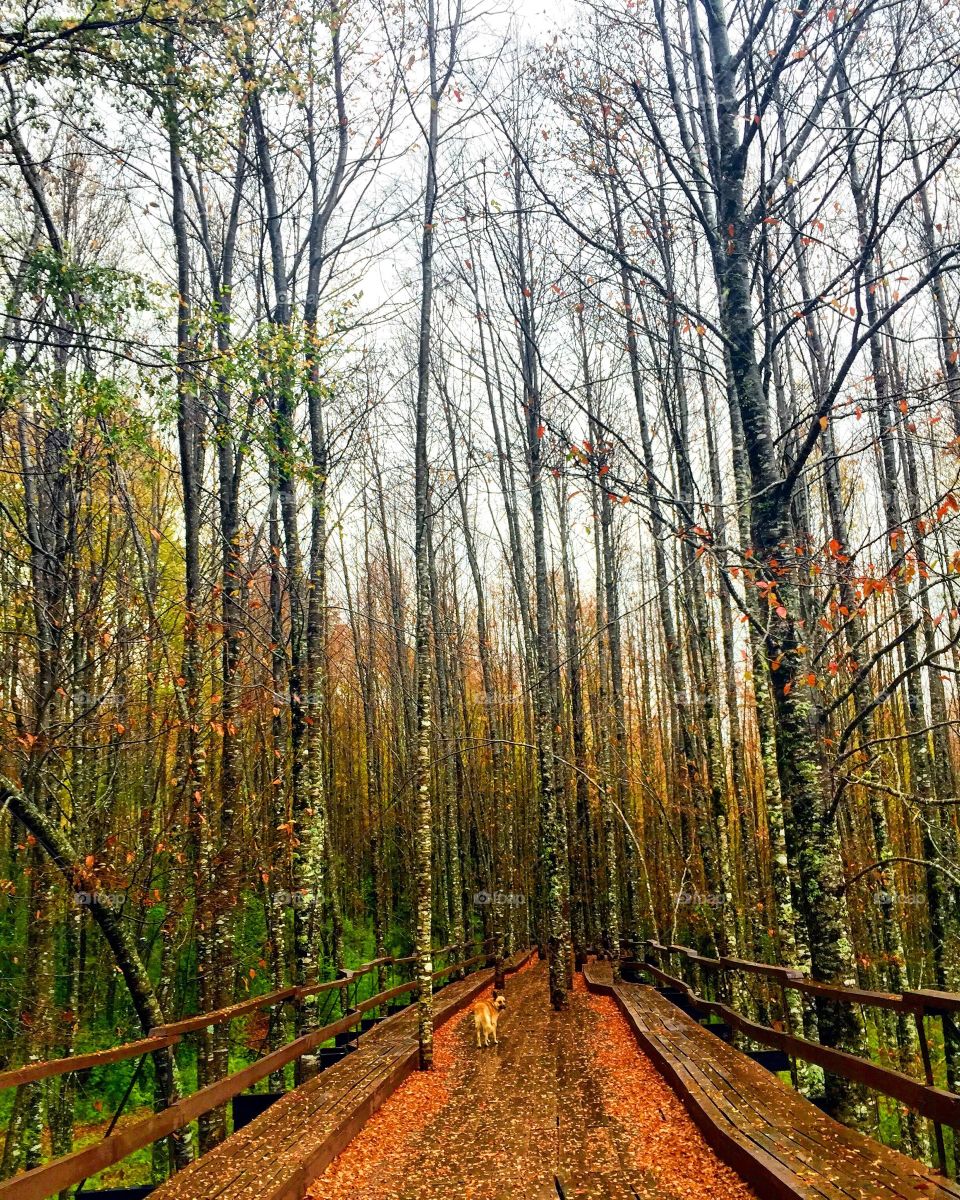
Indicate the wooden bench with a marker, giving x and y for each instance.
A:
(280, 1152)
(779, 1142)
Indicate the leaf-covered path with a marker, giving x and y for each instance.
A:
(565, 1099)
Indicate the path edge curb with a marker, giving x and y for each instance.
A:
(770, 1183)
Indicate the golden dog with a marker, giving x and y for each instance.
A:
(486, 1013)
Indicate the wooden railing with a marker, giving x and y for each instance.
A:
(940, 1106)
(83, 1062)
(80, 1165)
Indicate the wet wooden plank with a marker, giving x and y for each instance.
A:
(929, 1101)
(807, 1134)
(823, 1154)
(782, 1144)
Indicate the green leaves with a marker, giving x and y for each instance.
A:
(88, 295)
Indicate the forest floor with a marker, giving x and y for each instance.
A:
(566, 1099)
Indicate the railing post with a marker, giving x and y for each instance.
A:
(788, 1027)
(345, 993)
(928, 1074)
(299, 1019)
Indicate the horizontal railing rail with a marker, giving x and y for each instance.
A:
(346, 977)
(925, 1001)
(158, 1039)
(220, 1015)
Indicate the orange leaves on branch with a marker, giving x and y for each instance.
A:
(869, 586)
(948, 505)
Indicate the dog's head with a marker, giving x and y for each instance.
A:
(500, 1002)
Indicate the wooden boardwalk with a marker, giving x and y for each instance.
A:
(529, 1120)
(621, 1095)
(777, 1140)
(277, 1155)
